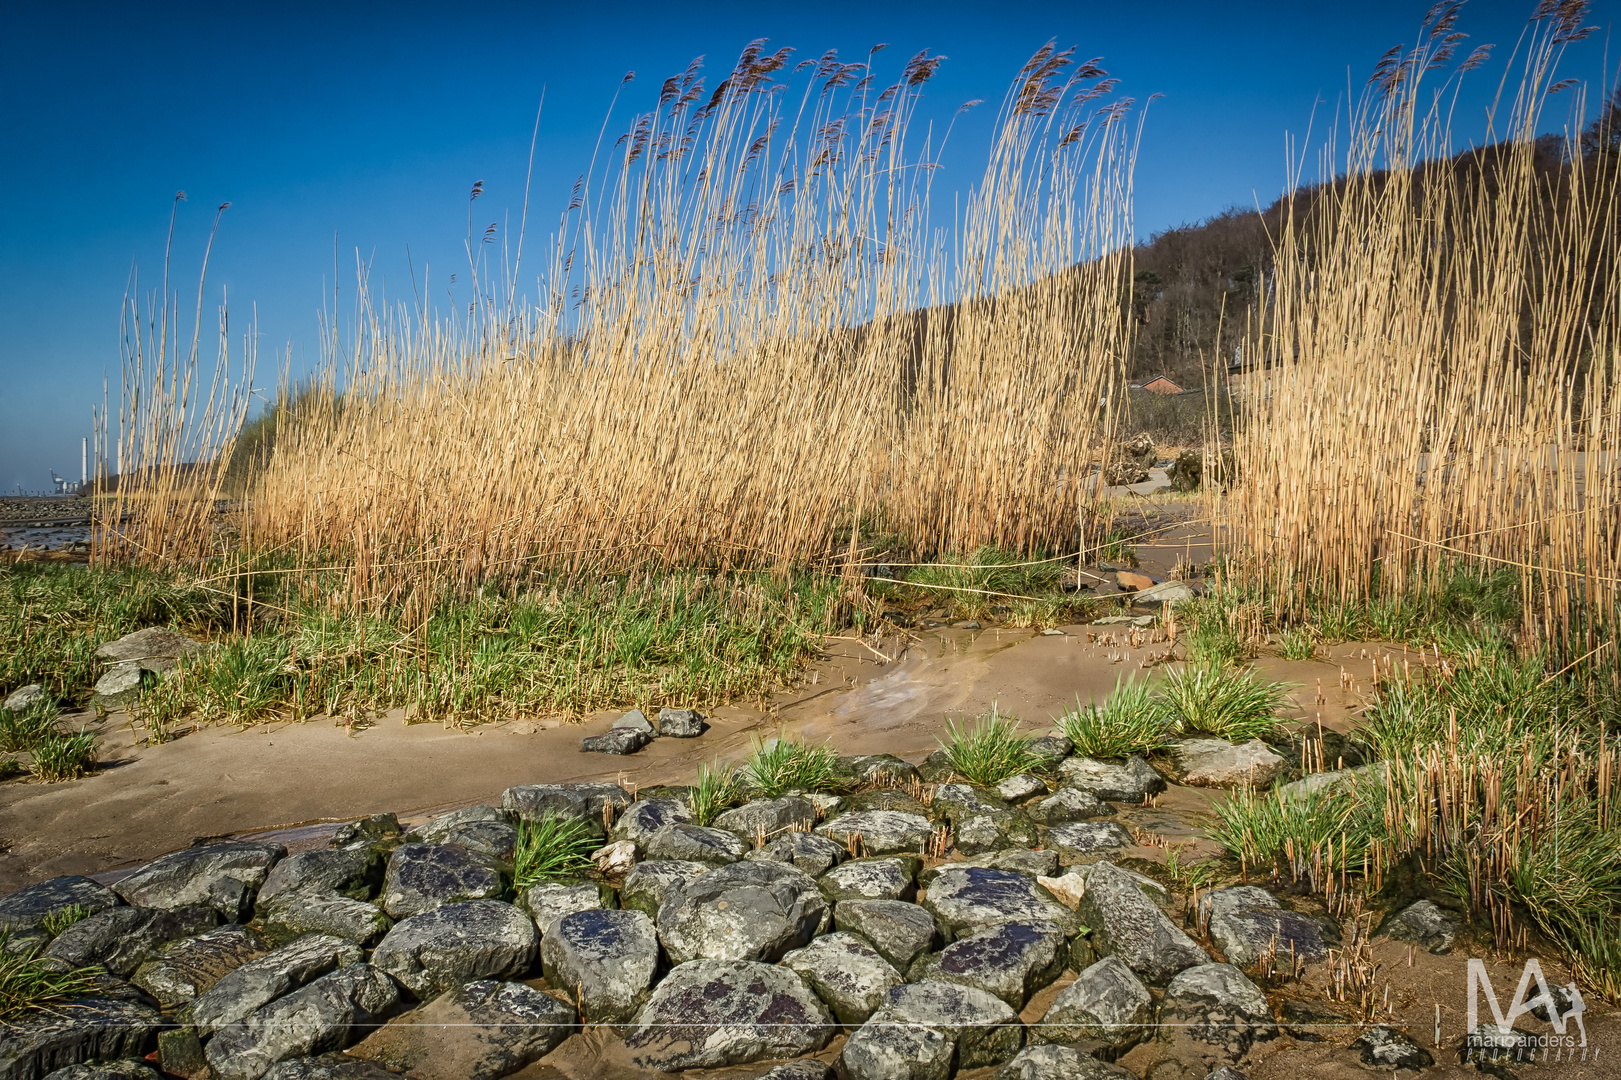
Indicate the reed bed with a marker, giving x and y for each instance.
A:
(1439, 368)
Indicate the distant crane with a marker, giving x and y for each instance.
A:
(63, 487)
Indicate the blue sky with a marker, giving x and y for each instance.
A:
(332, 128)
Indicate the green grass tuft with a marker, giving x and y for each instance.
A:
(1297, 644)
(61, 756)
(23, 731)
(62, 918)
(790, 765)
(552, 845)
(1131, 720)
(29, 983)
(989, 752)
(1219, 701)
(716, 789)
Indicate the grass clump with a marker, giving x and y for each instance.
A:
(989, 752)
(716, 789)
(1216, 700)
(552, 845)
(63, 756)
(21, 732)
(785, 765)
(62, 918)
(1296, 836)
(1132, 720)
(29, 983)
(1297, 645)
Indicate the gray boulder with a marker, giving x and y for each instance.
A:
(813, 853)
(575, 801)
(1085, 841)
(1050, 750)
(1127, 924)
(422, 877)
(120, 939)
(745, 911)
(1209, 762)
(1105, 1011)
(294, 914)
(1022, 788)
(328, 1014)
(616, 741)
(847, 973)
(328, 1067)
(377, 830)
(693, 843)
(712, 1013)
(118, 686)
(901, 932)
(20, 699)
(768, 816)
(967, 899)
(1389, 1048)
(225, 876)
(153, 649)
(980, 1028)
(352, 872)
(493, 843)
(1032, 864)
(1123, 781)
(982, 821)
(644, 817)
(881, 832)
(550, 901)
(106, 1070)
(89, 1029)
(647, 882)
(1065, 805)
(457, 943)
(1362, 776)
(188, 968)
(863, 770)
(28, 908)
(681, 723)
(1425, 925)
(869, 879)
(478, 1031)
(635, 720)
(607, 959)
(1051, 1062)
(257, 983)
(1248, 923)
(441, 829)
(894, 1050)
(1012, 961)
(803, 1069)
(1215, 1004)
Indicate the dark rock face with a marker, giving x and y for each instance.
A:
(376, 830)
(90, 1029)
(847, 974)
(352, 872)
(768, 816)
(292, 915)
(105, 1070)
(982, 821)
(881, 832)
(258, 982)
(27, 909)
(582, 801)
(619, 740)
(1065, 805)
(422, 877)
(1425, 925)
(681, 723)
(1106, 1011)
(980, 1028)
(1050, 750)
(1127, 781)
(478, 1031)
(120, 939)
(328, 1014)
(745, 911)
(645, 817)
(188, 968)
(1129, 925)
(711, 1013)
(1083, 841)
(1011, 961)
(1387, 1048)
(646, 884)
(694, 843)
(811, 852)
(1032, 864)
(1246, 923)
(966, 900)
(443, 829)
(1215, 1004)
(550, 901)
(1059, 1063)
(864, 769)
(457, 943)
(223, 876)
(328, 1067)
(869, 879)
(606, 958)
(899, 931)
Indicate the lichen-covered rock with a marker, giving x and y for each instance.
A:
(982, 821)
(378, 830)
(258, 982)
(106, 1070)
(1065, 805)
(582, 802)
(681, 723)
(980, 1028)
(1209, 762)
(685, 842)
(901, 932)
(712, 1013)
(327, 1014)
(1106, 1010)
(606, 959)
(1051, 1062)
(635, 720)
(1123, 781)
(881, 832)
(292, 915)
(328, 1067)
(744, 911)
(440, 829)
(550, 901)
(803, 1069)
(1389, 1048)
(1084, 841)
(155, 648)
(28, 908)
(189, 967)
(1215, 1004)
(353, 872)
(1425, 925)
(422, 877)
(20, 699)
(1049, 750)
(847, 973)
(867, 769)
(225, 876)
(618, 740)
(89, 1029)
(968, 899)
(1022, 788)
(1032, 864)
(120, 939)
(645, 817)
(768, 817)
(1012, 960)
(457, 943)
(1127, 924)
(118, 686)
(478, 1031)
(813, 853)
(1248, 923)
(644, 887)
(869, 879)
